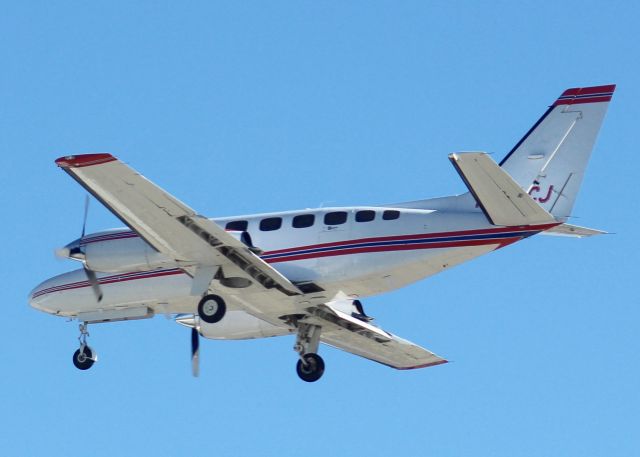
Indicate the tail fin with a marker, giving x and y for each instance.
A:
(550, 160)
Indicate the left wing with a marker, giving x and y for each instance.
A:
(167, 224)
(342, 330)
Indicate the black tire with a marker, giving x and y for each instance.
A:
(83, 360)
(313, 370)
(211, 309)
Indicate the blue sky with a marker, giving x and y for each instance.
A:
(242, 107)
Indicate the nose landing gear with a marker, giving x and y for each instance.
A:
(84, 357)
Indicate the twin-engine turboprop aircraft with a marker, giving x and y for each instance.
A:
(304, 272)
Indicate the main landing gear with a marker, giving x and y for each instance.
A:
(310, 367)
(84, 357)
(212, 309)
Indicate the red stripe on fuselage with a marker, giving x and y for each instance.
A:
(523, 228)
(402, 247)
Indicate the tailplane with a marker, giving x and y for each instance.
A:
(550, 160)
(501, 198)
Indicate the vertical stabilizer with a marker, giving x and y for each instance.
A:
(550, 161)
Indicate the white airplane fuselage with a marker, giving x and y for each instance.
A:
(358, 257)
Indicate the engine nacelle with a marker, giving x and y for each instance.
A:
(115, 251)
(239, 325)
(129, 254)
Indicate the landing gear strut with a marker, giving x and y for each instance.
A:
(84, 357)
(310, 367)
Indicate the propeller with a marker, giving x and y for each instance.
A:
(86, 214)
(189, 320)
(93, 280)
(74, 251)
(195, 352)
(91, 275)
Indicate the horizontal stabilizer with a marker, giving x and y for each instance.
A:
(573, 230)
(503, 201)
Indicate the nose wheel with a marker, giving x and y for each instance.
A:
(84, 357)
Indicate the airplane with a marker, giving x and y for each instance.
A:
(305, 272)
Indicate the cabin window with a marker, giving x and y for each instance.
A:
(390, 214)
(365, 215)
(240, 226)
(335, 218)
(270, 223)
(303, 220)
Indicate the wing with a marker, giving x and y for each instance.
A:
(341, 330)
(170, 226)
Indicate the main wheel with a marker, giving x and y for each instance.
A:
(312, 369)
(211, 309)
(83, 358)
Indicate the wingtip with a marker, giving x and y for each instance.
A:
(84, 160)
(426, 365)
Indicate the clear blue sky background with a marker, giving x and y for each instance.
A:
(240, 107)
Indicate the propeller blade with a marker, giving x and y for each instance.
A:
(86, 214)
(195, 352)
(95, 285)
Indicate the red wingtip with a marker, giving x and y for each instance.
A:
(84, 160)
(579, 95)
(431, 364)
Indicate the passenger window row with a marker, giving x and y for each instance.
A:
(307, 220)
